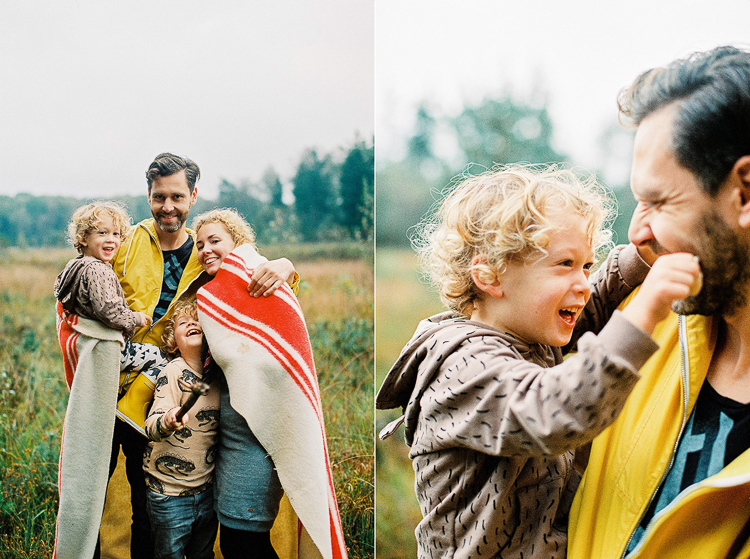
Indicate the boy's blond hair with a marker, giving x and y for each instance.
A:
(87, 219)
(168, 342)
(504, 215)
(233, 222)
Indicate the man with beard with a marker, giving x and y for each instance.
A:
(671, 477)
(156, 265)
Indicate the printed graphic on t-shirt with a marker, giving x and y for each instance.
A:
(174, 264)
(718, 432)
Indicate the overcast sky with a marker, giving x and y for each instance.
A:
(579, 52)
(91, 91)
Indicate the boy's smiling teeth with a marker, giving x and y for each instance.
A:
(569, 313)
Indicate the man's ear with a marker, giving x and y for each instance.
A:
(194, 195)
(495, 288)
(741, 171)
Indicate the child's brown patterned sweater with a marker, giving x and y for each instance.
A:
(493, 422)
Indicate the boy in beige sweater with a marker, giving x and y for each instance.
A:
(179, 460)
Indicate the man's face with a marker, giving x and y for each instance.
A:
(674, 214)
(170, 200)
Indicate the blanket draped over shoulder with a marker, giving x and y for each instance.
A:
(91, 355)
(263, 347)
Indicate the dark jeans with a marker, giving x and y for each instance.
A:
(184, 526)
(133, 445)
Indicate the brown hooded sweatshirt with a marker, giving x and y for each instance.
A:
(88, 287)
(493, 421)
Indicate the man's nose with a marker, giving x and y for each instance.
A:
(639, 231)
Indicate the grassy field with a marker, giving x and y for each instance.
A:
(402, 300)
(337, 297)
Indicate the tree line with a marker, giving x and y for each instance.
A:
(498, 130)
(333, 201)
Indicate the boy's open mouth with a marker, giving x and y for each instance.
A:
(193, 332)
(569, 314)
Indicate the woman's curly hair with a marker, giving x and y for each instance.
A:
(503, 214)
(233, 222)
(87, 219)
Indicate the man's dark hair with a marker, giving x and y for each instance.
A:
(711, 129)
(166, 164)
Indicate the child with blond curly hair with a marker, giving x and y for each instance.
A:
(88, 286)
(94, 324)
(180, 457)
(493, 415)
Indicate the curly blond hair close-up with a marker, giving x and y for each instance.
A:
(239, 229)
(87, 219)
(504, 214)
(187, 307)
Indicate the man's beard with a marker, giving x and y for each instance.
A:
(181, 219)
(725, 263)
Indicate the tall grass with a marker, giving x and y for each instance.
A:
(402, 301)
(337, 297)
(32, 405)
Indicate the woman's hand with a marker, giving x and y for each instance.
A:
(269, 276)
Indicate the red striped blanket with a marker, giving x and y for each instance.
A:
(91, 356)
(264, 349)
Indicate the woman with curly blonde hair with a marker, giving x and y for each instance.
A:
(492, 413)
(265, 355)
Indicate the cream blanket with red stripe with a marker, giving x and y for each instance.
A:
(91, 355)
(263, 347)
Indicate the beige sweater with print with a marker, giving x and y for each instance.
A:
(181, 463)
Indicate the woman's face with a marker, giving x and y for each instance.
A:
(213, 242)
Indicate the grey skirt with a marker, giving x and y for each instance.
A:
(247, 490)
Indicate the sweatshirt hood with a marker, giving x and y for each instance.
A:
(420, 360)
(68, 281)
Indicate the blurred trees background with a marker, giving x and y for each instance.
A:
(332, 195)
(495, 131)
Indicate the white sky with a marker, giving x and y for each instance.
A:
(580, 52)
(91, 91)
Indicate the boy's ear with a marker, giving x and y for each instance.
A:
(495, 289)
(741, 170)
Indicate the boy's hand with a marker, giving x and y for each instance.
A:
(269, 276)
(672, 277)
(169, 422)
(144, 319)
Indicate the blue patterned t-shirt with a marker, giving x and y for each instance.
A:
(718, 432)
(174, 264)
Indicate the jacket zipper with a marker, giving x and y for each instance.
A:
(682, 330)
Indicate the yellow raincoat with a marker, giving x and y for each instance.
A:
(139, 266)
(629, 459)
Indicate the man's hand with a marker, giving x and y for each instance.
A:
(269, 276)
